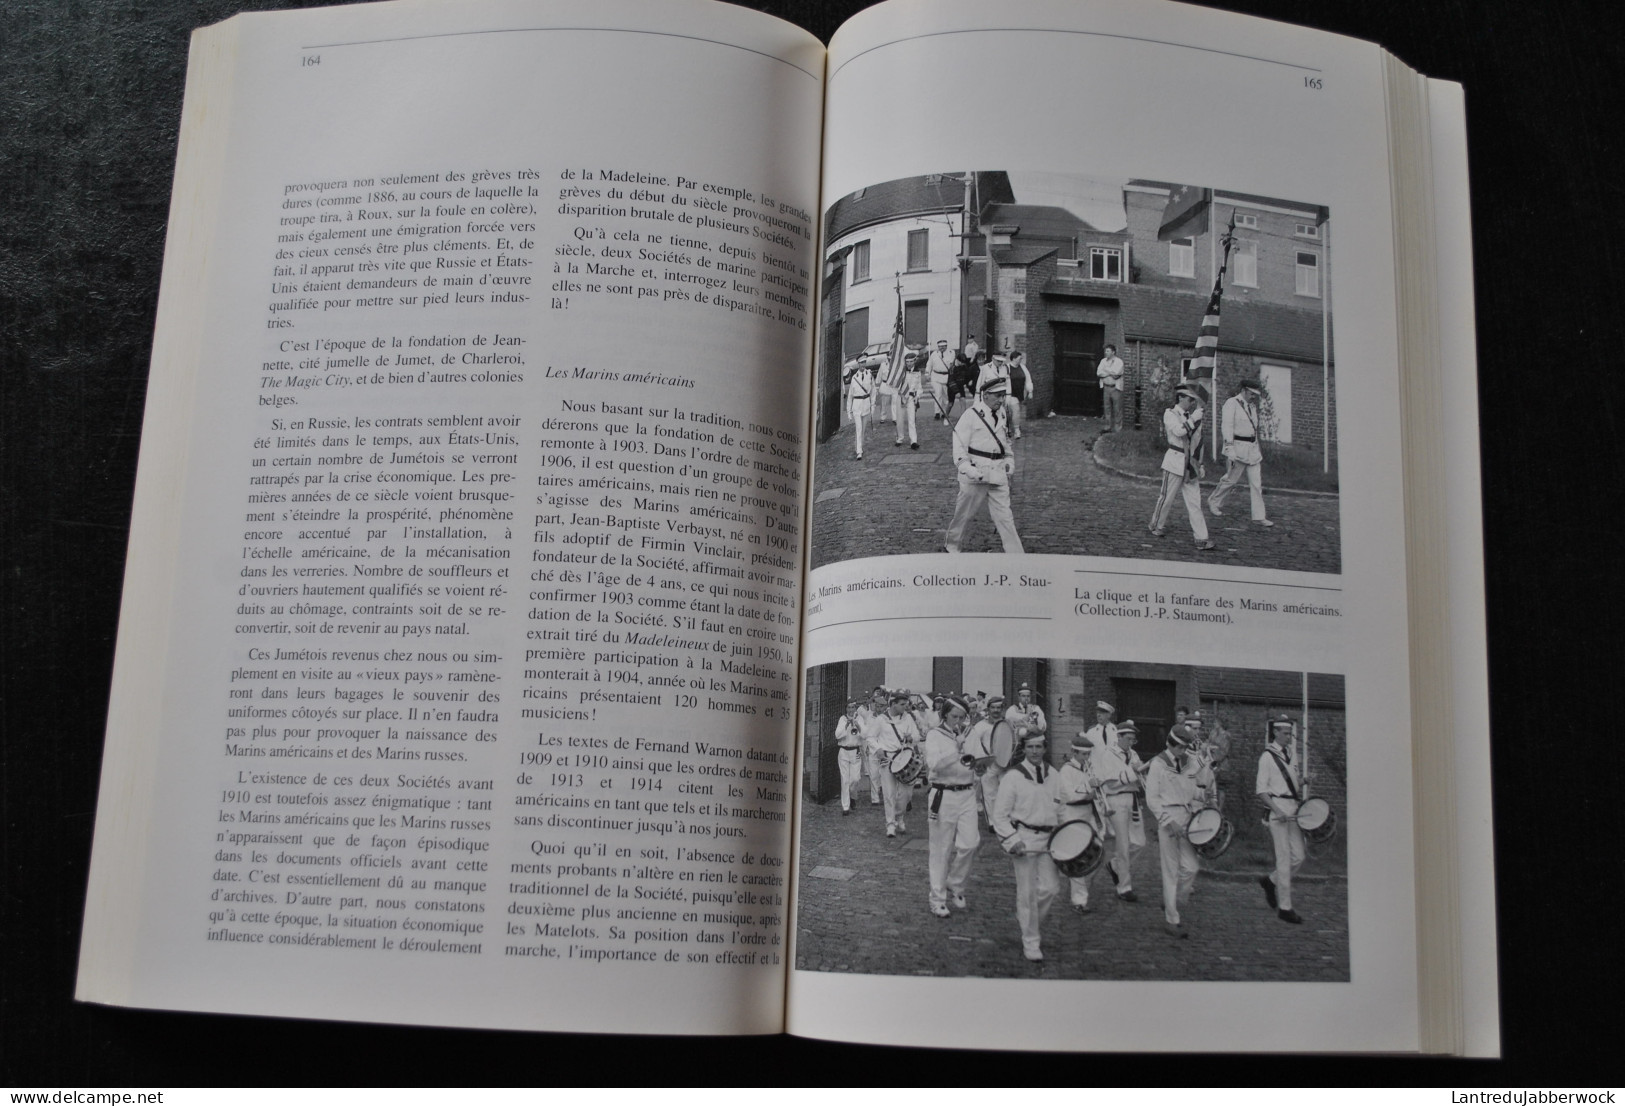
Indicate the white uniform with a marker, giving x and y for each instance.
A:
(937, 367)
(951, 799)
(861, 402)
(1172, 791)
(1119, 776)
(1030, 716)
(1028, 810)
(984, 460)
(888, 736)
(909, 393)
(850, 757)
(863, 720)
(979, 744)
(1278, 786)
(1239, 424)
(1177, 480)
(1077, 793)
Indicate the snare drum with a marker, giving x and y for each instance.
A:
(1076, 849)
(1204, 826)
(1316, 819)
(907, 765)
(1004, 746)
(1216, 846)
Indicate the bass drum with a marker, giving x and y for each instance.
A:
(1076, 849)
(907, 765)
(1212, 837)
(1003, 745)
(1317, 821)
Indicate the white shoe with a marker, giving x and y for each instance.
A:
(1032, 954)
(1265, 522)
(940, 911)
(1214, 511)
(959, 902)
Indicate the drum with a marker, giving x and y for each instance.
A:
(1006, 750)
(1317, 821)
(907, 765)
(1076, 849)
(1216, 846)
(1205, 825)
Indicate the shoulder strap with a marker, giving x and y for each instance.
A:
(1286, 773)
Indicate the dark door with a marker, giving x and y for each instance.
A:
(828, 418)
(857, 331)
(1151, 704)
(947, 675)
(1078, 349)
(826, 702)
(916, 314)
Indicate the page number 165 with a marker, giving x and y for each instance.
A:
(1308, 82)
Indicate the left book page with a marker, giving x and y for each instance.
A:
(458, 648)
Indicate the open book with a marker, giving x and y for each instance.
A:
(645, 524)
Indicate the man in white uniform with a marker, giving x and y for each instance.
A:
(1279, 788)
(1120, 771)
(1239, 422)
(889, 734)
(1110, 374)
(906, 403)
(1078, 794)
(983, 457)
(1173, 786)
(1102, 732)
(979, 744)
(1025, 716)
(1181, 465)
(860, 400)
(849, 740)
(1027, 812)
(865, 717)
(937, 368)
(952, 804)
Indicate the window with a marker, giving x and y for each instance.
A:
(1250, 221)
(860, 263)
(1308, 274)
(919, 250)
(916, 323)
(1182, 257)
(1244, 265)
(1307, 230)
(1105, 264)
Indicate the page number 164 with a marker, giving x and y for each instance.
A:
(1308, 82)
(310, 59)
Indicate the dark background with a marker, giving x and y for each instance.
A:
(90, 98)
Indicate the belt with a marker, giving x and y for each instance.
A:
(999, 456)
(952, 786)
(1081, 802)
(1028, 825)
(1246, 438)
(850, 748)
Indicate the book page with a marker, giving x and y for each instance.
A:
(456, 670)
(1107, 495)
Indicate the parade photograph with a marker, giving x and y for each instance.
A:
(1051, 363)
(1056, 818)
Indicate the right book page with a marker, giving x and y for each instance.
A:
(1108, 452)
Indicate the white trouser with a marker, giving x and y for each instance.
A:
(953, 841)
(1179, 868)
(910, 403)
(894, 793)
(1174, 486)
(1289, 854)
(851, 765)
(990, 789)
(1232, 477)
(1078, 886)
(1037, 883)
(973, 494)
(873, 759)
(1121, 809)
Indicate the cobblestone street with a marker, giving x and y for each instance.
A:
(862, 908)
(897, 500)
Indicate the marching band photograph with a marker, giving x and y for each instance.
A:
(1050, 363)
(1073, 819)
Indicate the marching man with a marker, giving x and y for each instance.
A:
(889, 734)
(979, 744)
(938, 367)
(1024, 715)
(983, 456)
(952, 803)
(1239, 423)
(1120, 771)
(1026, 813)
(1182, 464)
(1279, 788)
(1078, 792)
(1173, 787)
(906, 403)
(849, 740)
(860, 399)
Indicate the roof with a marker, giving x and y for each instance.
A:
(906, 196)
(1225, 195)
(1022, 254)
(1035, 221)
(1160, 314)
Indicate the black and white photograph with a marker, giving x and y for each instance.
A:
(1055, 818)
(1052, 363)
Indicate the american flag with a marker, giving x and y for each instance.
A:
(894, 360)
(1207, 339)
